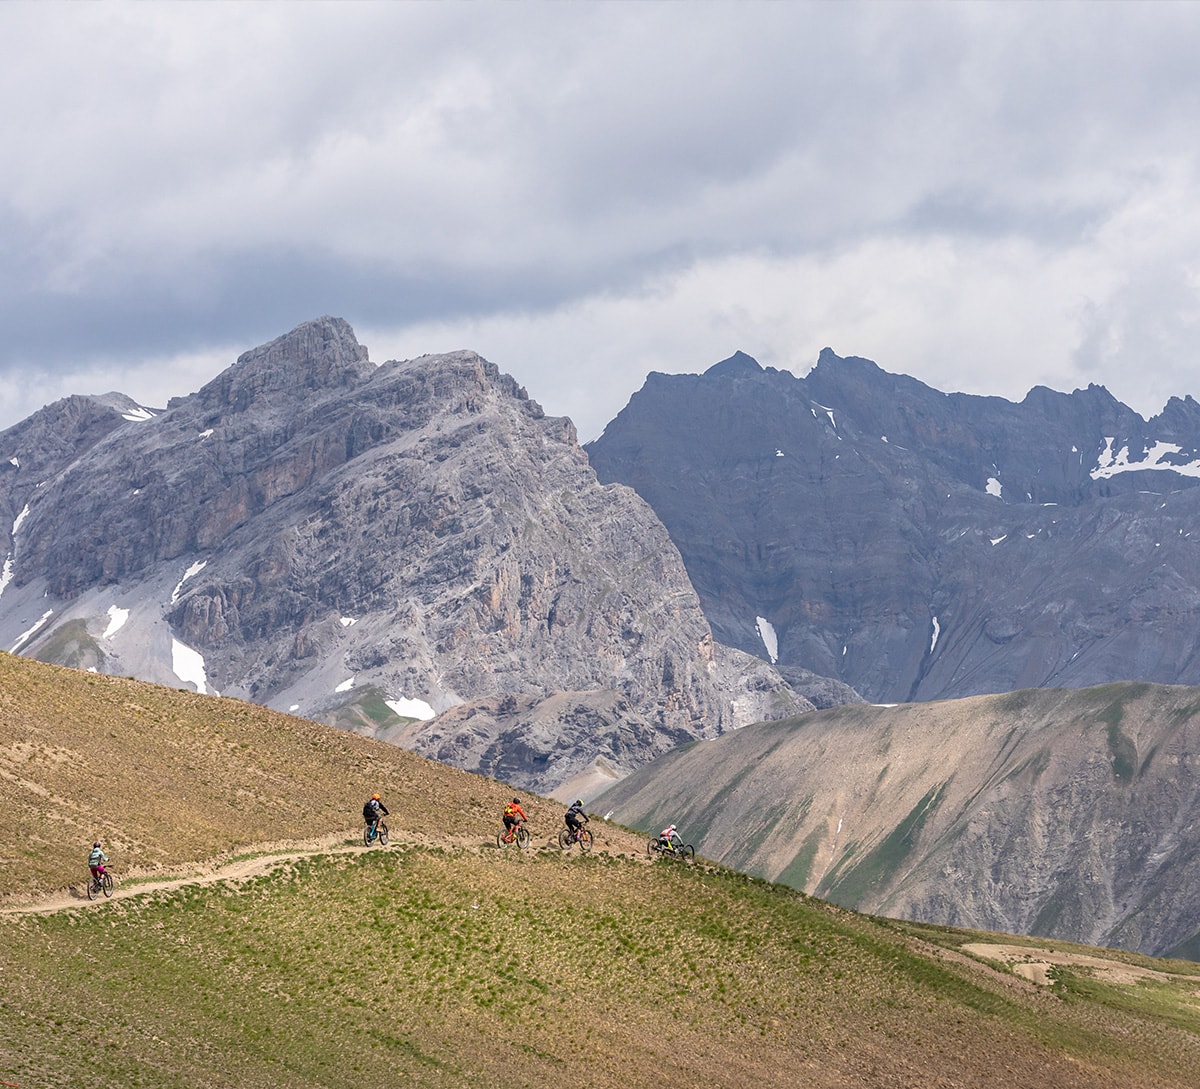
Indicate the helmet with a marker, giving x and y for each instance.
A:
(516, 801)
(96, 844)
(579, 801)
(374, 797)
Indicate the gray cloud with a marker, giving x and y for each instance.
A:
(987, 196)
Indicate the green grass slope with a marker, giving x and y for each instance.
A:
(443, 961)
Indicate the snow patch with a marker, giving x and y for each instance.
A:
(994, 487)
(116, 620)
(14, 461)
(195, 569)
(779, 453)
(20, 518)
(766, 632)
(997, 540)
(138, 413)
(348, 621)
(188, 665)
(25, 635)
(204, 434)
(294, 708)
(407, 708)
(1111, 462)
(937, 630)
(345, 686)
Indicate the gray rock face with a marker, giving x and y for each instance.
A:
(1066, 813)
(367, 545)
(916, 545)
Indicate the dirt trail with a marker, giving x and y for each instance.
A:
(258, 859)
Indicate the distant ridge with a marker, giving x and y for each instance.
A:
(918, 545)
(1064, 813)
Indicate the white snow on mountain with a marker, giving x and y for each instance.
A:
(411, 708)
(26, 634)
(1111, 462)
(116, 620)
(188, 665)
(195, 569)
(766, 632)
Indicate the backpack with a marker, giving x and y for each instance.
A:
(369, 812)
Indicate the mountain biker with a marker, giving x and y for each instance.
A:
(513, 816)
(96, 860)
(667, 838)
(575, 817)
(374, 810)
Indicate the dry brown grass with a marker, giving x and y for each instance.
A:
(166, 778)
(442, 961)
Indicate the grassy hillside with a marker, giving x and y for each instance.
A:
(165, 777)
(1067, 812)
(442, 961)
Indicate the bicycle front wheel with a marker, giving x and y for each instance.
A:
(383, 834)
(688, 853)
(106, 883)
(585, 840)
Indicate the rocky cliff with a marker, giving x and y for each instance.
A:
(369, 545)
(917, 545)
(1066, 813)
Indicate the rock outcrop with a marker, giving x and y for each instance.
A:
(372, 546)
(917, 545)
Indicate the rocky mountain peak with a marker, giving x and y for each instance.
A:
(375, 546)
(737, 364)
(323, 354)
(893, 536)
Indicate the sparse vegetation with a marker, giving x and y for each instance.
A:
(445, 962)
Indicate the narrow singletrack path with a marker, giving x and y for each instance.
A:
(255, 860)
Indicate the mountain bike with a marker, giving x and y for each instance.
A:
(518, 836)
(376, 831)
(98, 885)
(676, 849)
(567, 838)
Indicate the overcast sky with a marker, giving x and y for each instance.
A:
(985, 196)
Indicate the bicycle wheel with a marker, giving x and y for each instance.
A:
(383, 834)
(502, 839)
(106, 883)
(93, 887)
(523, 837)
(652, 847)
(367, 837)
(564, 839)
(688, 853)
(585, 840)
